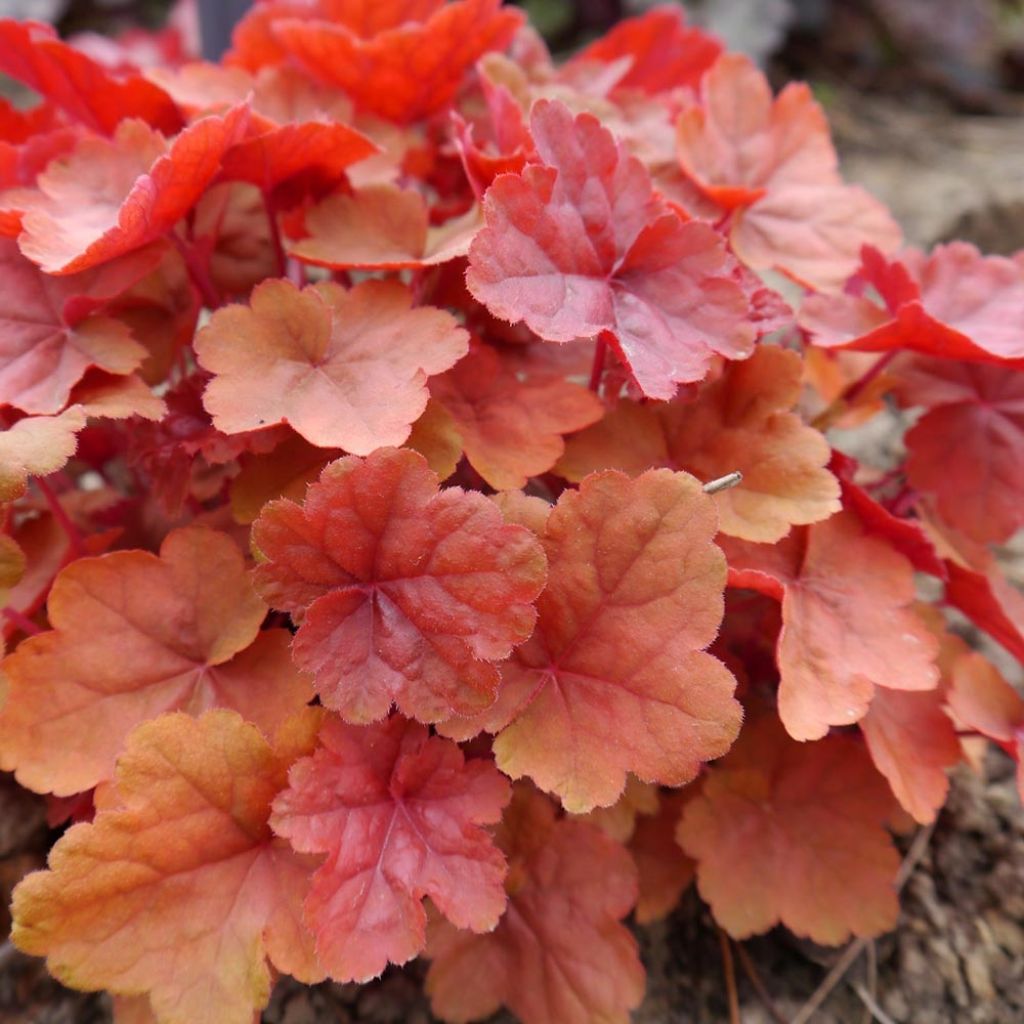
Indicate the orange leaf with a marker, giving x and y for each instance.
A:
(848, 624)
(178, 888)
(559, 955)
(397, 811)
(108, 197)
(794, 833)
(912, 742)
(665, 872)
(615, 678)
(346, 369)
(773, 163)
(580, 246)
(135, 635)
(403, 65)
(405, 594)
(37, 446)
(511, 425)
(742, 421)
(382, 227)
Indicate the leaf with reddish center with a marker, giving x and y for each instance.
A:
(88, 92)
(579, 246)
(382, 227)
(135, 635)
(511, 426)
(848, 624)
(664, 53)
(37, 446)
(178, 889)
(794, 834)
(398, 813)
(771, 162)
(967, 450)
(49, 333)
(954, 303)
(403, 69)
(346, 369)
(559, 955)
(111, 196)
(912, 743)
(743, 421)
(405, 594)
(615, 678)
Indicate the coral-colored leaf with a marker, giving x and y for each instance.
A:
(178, 889)
(559, 955)
(619, 820)
(91, 94)
(579, 246)
(794, 833)
(742, 421)
(967, 450)
(346, 369)
(990, 601)
(405, 594)
(511, 425)
(954, 303)
(48, 339)
(415, 805)
(436, 437)
(402, 69)
(135, 635)
(615, 678)
(773, 164)
(106, 396)
(664, 53)
(37, 446)
(848, 625)
(382, 227)
(664, 871)
(110, 196)
(912, 742)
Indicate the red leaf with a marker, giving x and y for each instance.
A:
(990, 601)
(135, 635)
(110, 196)
(178, 890)
(511, 425)
(794, 833)
(48, 339)
(954, 303)
(559, 955)
(398, 66)
(772, 162)
(848, 621)
(397, 812)
(91, 94)
(579, 246)
(405, 594)
(615, 678)
(663, 52)
(967, 450)
(321, 358)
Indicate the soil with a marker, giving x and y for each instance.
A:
(958, 955)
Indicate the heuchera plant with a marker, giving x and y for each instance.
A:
(372, 587)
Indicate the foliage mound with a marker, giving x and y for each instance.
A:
(422, 535)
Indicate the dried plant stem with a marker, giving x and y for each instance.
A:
(723, 483)
(729, 970)
(754, 977)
